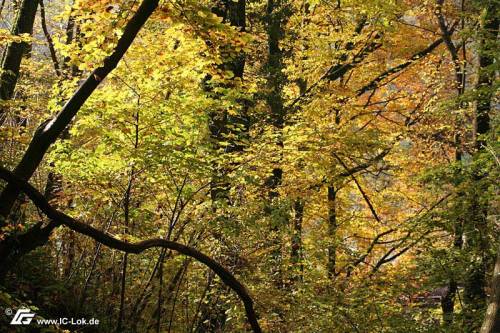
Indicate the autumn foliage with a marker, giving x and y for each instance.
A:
(238, 166)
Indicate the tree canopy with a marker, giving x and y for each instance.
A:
(250, 165)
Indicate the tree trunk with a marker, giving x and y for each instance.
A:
(332, 232)
(448, 300)
(222, 125)
(11, 60)
(224, 131)
(296, 253)
(276, 17)
(491, 323)
(475, 284)
(475, 281)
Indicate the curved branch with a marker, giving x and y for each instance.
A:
(62, 219)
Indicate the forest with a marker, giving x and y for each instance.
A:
(281, 166)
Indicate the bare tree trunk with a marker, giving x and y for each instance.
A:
(122, 294)
(48, 37)
(160, 294)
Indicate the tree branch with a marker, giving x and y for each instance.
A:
(336, 71)
(386, 258)
(48, 37)
(350, 267)
(375, 82)
(59, 218)
(49, 131)
(363, 193)
(360, 167)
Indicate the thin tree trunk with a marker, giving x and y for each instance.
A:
(160, 295)
(127, 202)
(93, 265)
(48, 37)
(122, 294)
(296, 252)
(448, 300)
(332, 231)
